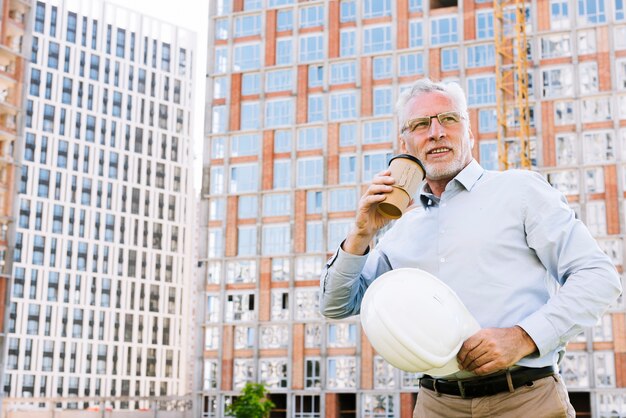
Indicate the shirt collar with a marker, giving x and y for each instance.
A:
(466, 178)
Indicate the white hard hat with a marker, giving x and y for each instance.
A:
(416, 322)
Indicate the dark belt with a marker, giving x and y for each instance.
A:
(489, 385)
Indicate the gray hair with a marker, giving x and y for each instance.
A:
(426, 85)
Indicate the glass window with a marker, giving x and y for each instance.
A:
(375, 406)
(376, 8)
(242, 145)
(313, 202)
(342, 200)
(374, 163)
(315, 109)
(250, 115)
(247, 207)
(220, 87)
(276, 239)
(279, 80)
(591, 11)
(377, 131)
(488, 151)
(347, 134)
(480, 56)
(564, 113)
(337, 232)
(314, 237)
(343, 106)
(250, 84)
(487, 120)
(411, 64)
(246, 241)
(279, 113)
(282, 141)
(443, 30)
(316, 75)
(343, 72)
(555, 46)
(282, 174)
(559, 14)
(449, 59)
(284, 20)
(311, 16)
(221, 29)
(219, 119)
(244, 178)
(484, 24)
(588, 77)
(566, 149)
(558, 82)
(347, 11)
(311, 48)
(347, 43)
(586, 42)
(347, 169)
(250, 5)
(415, 6)
(481, 90)
(247, 25)
(383, 101)
(310, 172)
(376, 39)
(221, 60)
(416, 34)
(341, 373)
(311, 138)
(284, 51)
(620, 10)
(382, 68)
(247, 57)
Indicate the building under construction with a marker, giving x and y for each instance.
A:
(300, 105)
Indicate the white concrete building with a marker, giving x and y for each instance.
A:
(103, 262)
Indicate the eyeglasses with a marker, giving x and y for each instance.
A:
(422, 124)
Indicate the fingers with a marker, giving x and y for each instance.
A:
(384, 177)
(473, 354)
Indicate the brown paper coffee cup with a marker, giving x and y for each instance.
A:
(408, 172)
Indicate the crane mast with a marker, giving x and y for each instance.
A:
(512, 83)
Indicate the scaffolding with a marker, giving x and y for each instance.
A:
(512, 83)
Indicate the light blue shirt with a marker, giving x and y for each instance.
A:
(504, 242)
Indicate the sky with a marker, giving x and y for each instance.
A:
(192, 15)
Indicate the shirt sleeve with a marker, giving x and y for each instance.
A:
(345, 279)
(589, 281)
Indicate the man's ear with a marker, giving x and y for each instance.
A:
(471, 137)
(403, 149)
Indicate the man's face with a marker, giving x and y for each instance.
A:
(444, 150)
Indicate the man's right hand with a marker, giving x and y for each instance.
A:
(368, 220)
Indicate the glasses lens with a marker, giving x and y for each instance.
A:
(449, 118)
(418, 124)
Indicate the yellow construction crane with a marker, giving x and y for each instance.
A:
(512, 80)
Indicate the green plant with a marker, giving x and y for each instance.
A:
(252, 403)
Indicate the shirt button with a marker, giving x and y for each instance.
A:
(443, 260)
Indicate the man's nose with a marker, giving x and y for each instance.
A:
(436, 131)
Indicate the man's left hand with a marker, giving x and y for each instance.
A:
(493, 349)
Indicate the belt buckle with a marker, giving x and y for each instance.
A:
(461, 388)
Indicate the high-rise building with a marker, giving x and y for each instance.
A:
(102, 272)
(300, 104)
(13, 30)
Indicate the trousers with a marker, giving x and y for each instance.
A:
(543, 398)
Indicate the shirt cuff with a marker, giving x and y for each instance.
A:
(346, 263)
(542, 333)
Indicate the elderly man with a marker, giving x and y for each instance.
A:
(502, 241)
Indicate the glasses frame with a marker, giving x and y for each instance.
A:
(411, 124)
